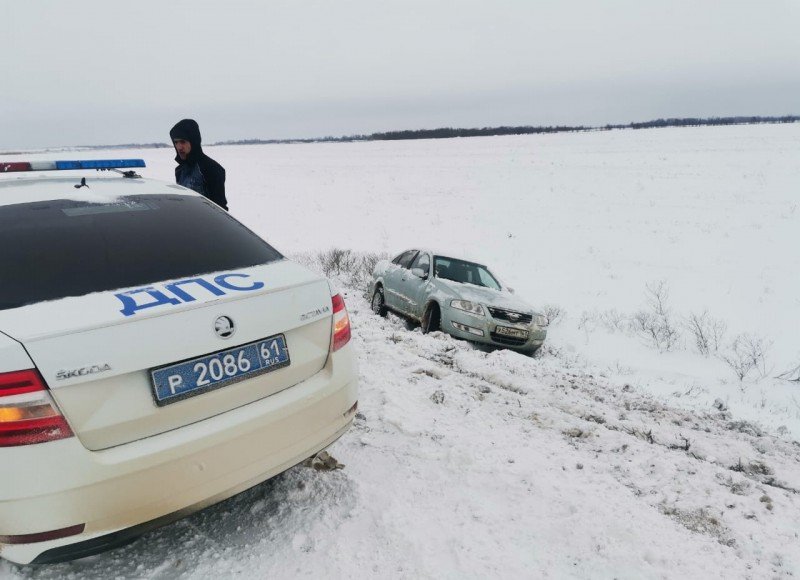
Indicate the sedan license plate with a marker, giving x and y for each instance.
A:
(181, 380)
(514, 332)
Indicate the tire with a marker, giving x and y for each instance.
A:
(531, 351)
(432, 319)
(378, 302)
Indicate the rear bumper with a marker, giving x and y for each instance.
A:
(98, 544)
(124, 491)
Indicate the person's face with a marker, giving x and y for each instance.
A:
(183, 147)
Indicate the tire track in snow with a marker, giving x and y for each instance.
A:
(710, 474)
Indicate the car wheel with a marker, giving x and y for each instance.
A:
(432, 319)
(531, 351)
(378, 303)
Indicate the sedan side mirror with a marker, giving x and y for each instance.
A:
(510, 289)
(419, 273)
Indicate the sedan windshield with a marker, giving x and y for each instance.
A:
(464, 272)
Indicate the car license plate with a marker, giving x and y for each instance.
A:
(181, 380)
(515, 332)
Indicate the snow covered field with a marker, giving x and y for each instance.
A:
(606, 456)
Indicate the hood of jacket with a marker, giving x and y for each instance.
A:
(189, 130)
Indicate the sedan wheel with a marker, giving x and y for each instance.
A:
(432, 319)
(378, 303)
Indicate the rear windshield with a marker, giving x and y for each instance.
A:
(61, 248)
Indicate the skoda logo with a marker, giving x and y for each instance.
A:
(224, 327)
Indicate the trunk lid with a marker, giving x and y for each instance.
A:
(96, 352)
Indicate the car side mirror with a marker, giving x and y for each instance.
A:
(510, 289)
(419, 273)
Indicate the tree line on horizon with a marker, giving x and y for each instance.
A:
(713, 121)
(451, 132)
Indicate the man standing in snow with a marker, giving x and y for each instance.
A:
(195, 169)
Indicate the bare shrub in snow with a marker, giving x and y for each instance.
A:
(620, 368)
(640, 434)
(613, 320)
(684, 445)
(642, 322)
(362, 273)
(708, 332)
(652, 328)
(369, 259)
(336, 261)
(703, 520)
(354, 268)
(736, 486)
(553, 313)
(595, 418)
(746, 353)
(656, 324)
(587, 320)
(752, 468)
(576, 433)
(746, 427)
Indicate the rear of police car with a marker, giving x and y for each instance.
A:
(156, 357)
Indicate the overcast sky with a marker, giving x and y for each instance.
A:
(103, 72)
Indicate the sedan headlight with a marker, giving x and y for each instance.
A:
(468, 306)
(540, 320)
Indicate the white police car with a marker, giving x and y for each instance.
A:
(156, 357)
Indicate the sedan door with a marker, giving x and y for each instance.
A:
(394, 279)
(414, 288)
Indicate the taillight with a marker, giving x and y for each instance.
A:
(28, 413)
(43, 536)
(341, 323)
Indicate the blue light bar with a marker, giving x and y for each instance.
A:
(100, 164)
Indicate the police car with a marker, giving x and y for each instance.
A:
(156, 357)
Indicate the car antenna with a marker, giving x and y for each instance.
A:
(129, 174)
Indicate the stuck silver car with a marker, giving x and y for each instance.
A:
(457, 296)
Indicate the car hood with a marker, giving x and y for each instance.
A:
(483, 295)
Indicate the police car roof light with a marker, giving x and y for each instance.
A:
(99, 164)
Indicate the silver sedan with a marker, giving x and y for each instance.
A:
(456, 296)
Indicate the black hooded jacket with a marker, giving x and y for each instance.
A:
(198, 171)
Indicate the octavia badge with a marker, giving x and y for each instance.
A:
(224, 327)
